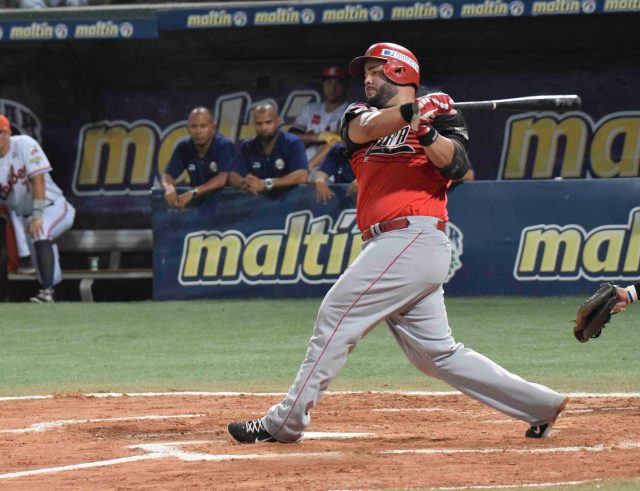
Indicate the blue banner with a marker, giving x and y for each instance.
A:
(271, 14)
(233, 245)
(141, 22)
(102, 25)
(552, 237)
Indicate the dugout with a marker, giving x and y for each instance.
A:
(61, 86)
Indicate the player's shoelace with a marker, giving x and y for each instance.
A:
(255, 426)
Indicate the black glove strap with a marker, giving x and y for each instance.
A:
(406, 111)
(429, 137)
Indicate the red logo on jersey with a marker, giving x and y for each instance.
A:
(14, 178)
(315, 119)
(394, 143)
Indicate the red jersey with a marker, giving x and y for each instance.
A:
(395, 177)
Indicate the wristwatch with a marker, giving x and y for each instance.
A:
(195, 192)
(268, 184)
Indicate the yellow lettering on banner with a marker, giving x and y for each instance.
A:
(614, 149)
(89, 162)
(211, 19)
(626, 129)
(296, 226)
(349, 13)
(100, 29)
(621, 5)
(260, 256)
(550, 242)
(606, 252)
(37, 30)
(314, 241)
(168, 145)
(556, 7)
(487, 8)
(211, 247)
(278, 16)
(230, 110)
(546, 133)
(418, 10)
(256, 259)
(608, 243)
(143, 140)
(117, 143)
(336, 257)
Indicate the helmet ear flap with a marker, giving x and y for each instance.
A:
(399, 71)
(394, 71)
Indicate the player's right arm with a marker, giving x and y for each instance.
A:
(362, 123)
(323, 191)
(240, 168)
(626, 296)
(170, 194)
(35, 225)
(173, 170)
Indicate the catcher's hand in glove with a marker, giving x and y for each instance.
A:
(595, 312)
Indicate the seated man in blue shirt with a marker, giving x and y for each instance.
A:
(271, 159)
(334, 169)
(207, 157)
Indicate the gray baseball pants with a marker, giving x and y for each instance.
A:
(398, 278)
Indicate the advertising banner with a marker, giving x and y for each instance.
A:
(113, 162)
(142, 22)
(236, 245)
(551, 237)
(100, 25)
(270, 14)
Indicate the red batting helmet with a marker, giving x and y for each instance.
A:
(401, 66)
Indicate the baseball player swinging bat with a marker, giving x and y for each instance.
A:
(536, 102)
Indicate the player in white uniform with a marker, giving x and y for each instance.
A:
(317, 124)
(27, 189)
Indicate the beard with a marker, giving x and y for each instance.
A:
(266, 137)
(384, 95)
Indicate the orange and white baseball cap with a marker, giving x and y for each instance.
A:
(5, 125)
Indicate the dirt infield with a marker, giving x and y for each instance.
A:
(356, 441)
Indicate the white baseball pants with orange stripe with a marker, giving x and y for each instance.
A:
(56, 219)
(398, 278)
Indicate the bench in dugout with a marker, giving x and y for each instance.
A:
(77, 249)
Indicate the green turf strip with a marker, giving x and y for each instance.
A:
(258, 345)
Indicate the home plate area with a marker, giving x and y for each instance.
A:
(357, 440)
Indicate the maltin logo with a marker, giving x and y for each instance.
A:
(456, 239)
(569, 252)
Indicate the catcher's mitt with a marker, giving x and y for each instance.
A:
(595, 312)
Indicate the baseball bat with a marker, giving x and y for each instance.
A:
(535, 102)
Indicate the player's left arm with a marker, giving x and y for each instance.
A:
(296, 159)
(363, 123)
(626, 296)
(442, 132)
(216, 182)
(294, 178)
(227, 157)
(35, 227)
